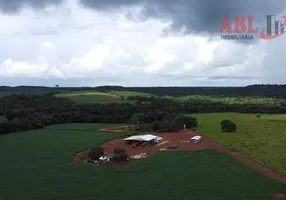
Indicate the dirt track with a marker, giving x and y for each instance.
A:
(112, 129)
(182, 141)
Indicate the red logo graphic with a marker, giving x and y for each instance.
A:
(276, 35)
(239, 25)
(245, 25)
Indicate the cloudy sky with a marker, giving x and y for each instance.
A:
(136, 43)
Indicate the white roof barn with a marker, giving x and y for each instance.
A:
(143, 138)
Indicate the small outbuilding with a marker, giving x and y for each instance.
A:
(107, 157)
(196, 139)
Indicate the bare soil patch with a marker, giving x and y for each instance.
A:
(119, 129)
(281, 194)
(182, 140)
(113, 129)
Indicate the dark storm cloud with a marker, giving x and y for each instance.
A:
(13, 6)
(109, 4)
(196, 16)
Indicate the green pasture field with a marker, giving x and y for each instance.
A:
(90, 97)
(36, 165)
(261, 139)
(81, 126)
(99, 97)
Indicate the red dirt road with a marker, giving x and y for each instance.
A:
(112, 129)
(118, 129)
(182, 140)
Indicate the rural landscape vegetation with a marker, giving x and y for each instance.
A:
(43, 128)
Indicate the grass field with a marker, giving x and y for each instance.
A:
(81, 127)
(36, 165)
(99, 97)
(262, 140)
(91, 97)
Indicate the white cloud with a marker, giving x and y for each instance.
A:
(47, 44)
(69, 41)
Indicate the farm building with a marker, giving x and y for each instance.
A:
(196, 139)
(107, 157)
(143, 140)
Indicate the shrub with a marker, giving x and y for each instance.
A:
(118, 151)
(166, 126)
(95, 153)
(169, 126)
(126, 135)
(228, 126)
(191, 122)
(124, 156)
(121, 157)
(225, 121)
(139, 127)
(3, 119)
(96, 149)
(173, 147)
(182, 120)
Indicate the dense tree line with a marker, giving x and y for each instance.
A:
(21, 112)
(205, 106)
(273, 91)
(29, 111)
(162, 121)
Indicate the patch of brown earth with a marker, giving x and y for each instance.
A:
(81, 156)
(281, 194)
(118, 129)
(112, 129)
(162, 143)
(182, 140)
